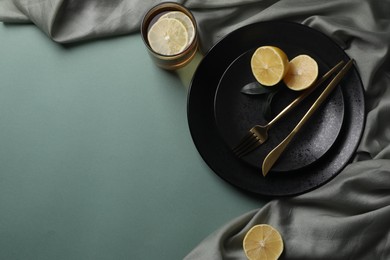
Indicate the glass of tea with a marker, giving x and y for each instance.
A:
(170, 34)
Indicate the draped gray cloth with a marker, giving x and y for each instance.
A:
(348, 218)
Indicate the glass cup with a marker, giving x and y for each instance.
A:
(169, 62)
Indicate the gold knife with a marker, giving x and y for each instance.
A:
(274, 155)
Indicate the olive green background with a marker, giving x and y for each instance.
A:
(96, 158)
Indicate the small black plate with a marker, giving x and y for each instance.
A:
(236, 113)
(212, 146)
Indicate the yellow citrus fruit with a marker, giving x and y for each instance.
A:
(263, 242)
(302, 73)
(269, 65)
(182, 17)
(168, 36)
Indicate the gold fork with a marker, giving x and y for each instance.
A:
(258, 134)
(274, 155)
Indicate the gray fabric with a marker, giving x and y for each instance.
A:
(345, 219)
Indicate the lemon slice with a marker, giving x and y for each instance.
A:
(182, 17)
(269, 65)
(263, 242)
(168, 36)
(302, 73)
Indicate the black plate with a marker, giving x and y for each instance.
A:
(211, 145)
(235, 113)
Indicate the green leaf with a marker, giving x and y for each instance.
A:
(266, 106)
(255, 88)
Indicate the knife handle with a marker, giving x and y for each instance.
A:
(274, 155)
(306, 93)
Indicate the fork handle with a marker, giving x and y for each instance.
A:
(305, 94)
(274, 155)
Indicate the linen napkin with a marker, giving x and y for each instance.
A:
(346, 218)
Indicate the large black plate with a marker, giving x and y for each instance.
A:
(204, 129)
(235, 113)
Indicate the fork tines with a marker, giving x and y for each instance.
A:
(247, 144)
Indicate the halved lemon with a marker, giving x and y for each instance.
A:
(182, 17)
(263, 242)
(168, 36)
(269, 65)
(302, 72)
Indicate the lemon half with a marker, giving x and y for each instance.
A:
(269, 65)
(302, 73)
(263, 242)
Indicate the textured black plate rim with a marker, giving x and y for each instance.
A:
(200, 114)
